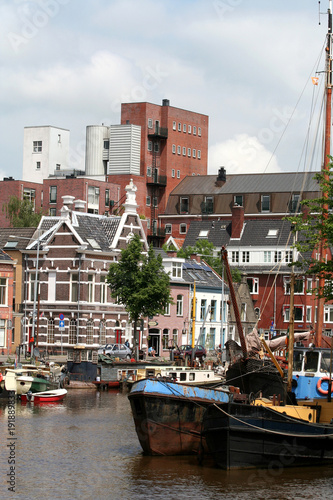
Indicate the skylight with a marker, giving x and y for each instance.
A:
(93, 243)
(11, 244)
(203, 233)
(272, 233)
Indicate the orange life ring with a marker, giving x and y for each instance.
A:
(319, 388)
(1, 377)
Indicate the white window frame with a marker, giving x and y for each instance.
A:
(168, 228)
(91, 288)
(103, 298)
(184, 150)
(148, 201)
(3, 291)
(174, 125)
(189, 129)
(179, 127)
(173, 173)
(199, 154)
(177, 270)
(179, 307)
(182, 228)
(199, 131)
(174, 149)
(189, 152)
(150, 123)
(179, 150)
(184, 128)
(150, 146)
(178, 174)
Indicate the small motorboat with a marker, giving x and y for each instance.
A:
(44, 397)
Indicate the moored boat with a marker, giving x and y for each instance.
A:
(45, 396)
(168, 415)
(253, 436)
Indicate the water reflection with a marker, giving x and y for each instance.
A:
(86, 447)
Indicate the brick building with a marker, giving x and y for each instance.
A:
(6, 302)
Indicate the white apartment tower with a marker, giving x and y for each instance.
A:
(45, 152)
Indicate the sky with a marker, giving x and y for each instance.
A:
(247, 64)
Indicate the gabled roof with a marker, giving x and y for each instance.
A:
(282, 182)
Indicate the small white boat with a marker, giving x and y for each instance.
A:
(45, 396)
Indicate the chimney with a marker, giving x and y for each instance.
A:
(165, 102)
(221, 177)
(67, 200)
(80, 205)
(237, 221)
(195, 257)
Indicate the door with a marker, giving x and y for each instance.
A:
(154, 340)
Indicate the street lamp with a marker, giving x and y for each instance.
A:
(34, 311)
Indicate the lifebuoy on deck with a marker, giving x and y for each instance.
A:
(319, 387)
(1, 377)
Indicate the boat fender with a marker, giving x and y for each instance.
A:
(320, 389)
(1, 377)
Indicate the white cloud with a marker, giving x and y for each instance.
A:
(242, 154)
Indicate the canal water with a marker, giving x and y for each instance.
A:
(86, 448)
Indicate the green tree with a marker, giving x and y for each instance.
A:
(140, 283)
(313, 229)
(21, 213)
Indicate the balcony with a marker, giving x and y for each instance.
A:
(157, 232)
(158, 132)
(157, 180)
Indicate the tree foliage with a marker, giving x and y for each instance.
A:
(21, 213)
(313, 229)
(139, 282)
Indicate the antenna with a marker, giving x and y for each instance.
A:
(319, 12)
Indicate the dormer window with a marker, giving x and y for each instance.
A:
(177, 270)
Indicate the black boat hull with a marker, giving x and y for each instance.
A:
(247, 436)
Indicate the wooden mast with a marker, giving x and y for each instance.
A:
(326, 164)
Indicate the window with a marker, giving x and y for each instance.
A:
(107, 197)
(253, 284)
(150, 146)
(265, 203)
(309, 285)
(38, 164)
(150, 123)
(53, 194)
(298, 312)
(72, 332)
(50, 331)
(91, 287)
(165, 338)
(184, 205)
(74, 288)
(295, 203)
(243, 311)
(184, 151)
(189, 152)
(174, 125)
(106, 144)
(156, 147)
(173, 172)
(104, 289)
(30, 195)
(149, 171)
(179, 127)
(53, 212)
(58, 166)
(32, 283)
(288, 256)
(2, 332)
(203, 306)
(155, 201)
(93, 199)
(199, 131)
(298, 288)
(178, 150)
(90, 332)
(182, 228)
(174, 148)
(102, 332)
(234, 256)
(178, 174)
(199, 154)
(238, 200)
(308, 314)
(148, 223)
(194, 153)
(194, 130)
(328, 314)
(179, 305)
(168, 228)
(167, 310)
(189, 129)
(246, 256)
(184, 127)
(3, 291)
(267, 256)
(177, 269)
(277, 256)
(37, 146)
(213, 310)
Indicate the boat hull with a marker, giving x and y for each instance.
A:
(44, 397)
(246, 436)
(168, 416)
